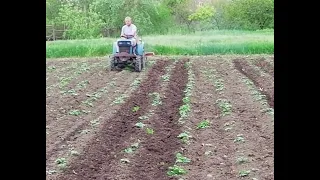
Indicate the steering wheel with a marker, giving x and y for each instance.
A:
(127, 36)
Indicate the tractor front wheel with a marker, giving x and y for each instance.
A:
(138, 64)
(144, 62)
(112, 63)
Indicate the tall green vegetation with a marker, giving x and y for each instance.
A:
(96, 18)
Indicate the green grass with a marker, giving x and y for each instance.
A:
(199, 43)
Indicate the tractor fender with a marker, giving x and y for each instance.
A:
(140, 48)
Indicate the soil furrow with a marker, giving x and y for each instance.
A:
(265, 85)
(157, 151)
(265, 66)
(254, 127)
(209, 147)
(120, 170)
(98, 154)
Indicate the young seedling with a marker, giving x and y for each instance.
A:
(239, 138)
(82, 84)
(125, 161)
(51, 172)
(184, 110)
(268, 110)
(85, 131)
(186, 100)
(182, 159)
(184, 137)
(64, 81)
(75, 112)
(74, 153)
(242, 160)
(208, 153)
(135, 109)
(140, 125)
(119, 100)
(176, 171)
(61, 162)
(94, 123)
(203, 124)
(149, 131)
(51, 68)
(85, 112)
(219, 85)
(244, 173)
(128, 150)
(165, 77)
(132, 148)
(143, 117)
(71, 91)
(156, 99)
(228, 125)
(136, 83)
(225, 106)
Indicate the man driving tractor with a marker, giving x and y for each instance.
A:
(129, 31)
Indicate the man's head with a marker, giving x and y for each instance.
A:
(128, 21)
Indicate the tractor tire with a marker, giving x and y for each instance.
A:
(112, 64)
(138, 64)
(144, 62)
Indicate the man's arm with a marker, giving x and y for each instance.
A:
(122, 31)
(134, 29)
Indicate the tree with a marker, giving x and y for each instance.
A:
(52, 9)
(79, 24)
(203, 14)
(251, 14)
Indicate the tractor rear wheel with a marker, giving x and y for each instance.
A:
(138, 64)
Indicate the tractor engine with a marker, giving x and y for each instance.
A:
(125, 46)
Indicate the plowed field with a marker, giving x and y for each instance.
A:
(193, 118)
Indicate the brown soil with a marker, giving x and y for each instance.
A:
(266, 66)
(265, 85)
(109, 141)
(74, 137)
(157, 151)
(64, 67)
(212, 150)
(213, 140)
(60, 129)
(74, 78)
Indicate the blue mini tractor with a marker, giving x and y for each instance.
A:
(128, 54)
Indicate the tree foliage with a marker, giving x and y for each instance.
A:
(203, 13)
(89, 18)
(250, 14)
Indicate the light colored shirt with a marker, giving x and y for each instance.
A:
(129, 30)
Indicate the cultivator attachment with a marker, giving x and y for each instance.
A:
(149, 54)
